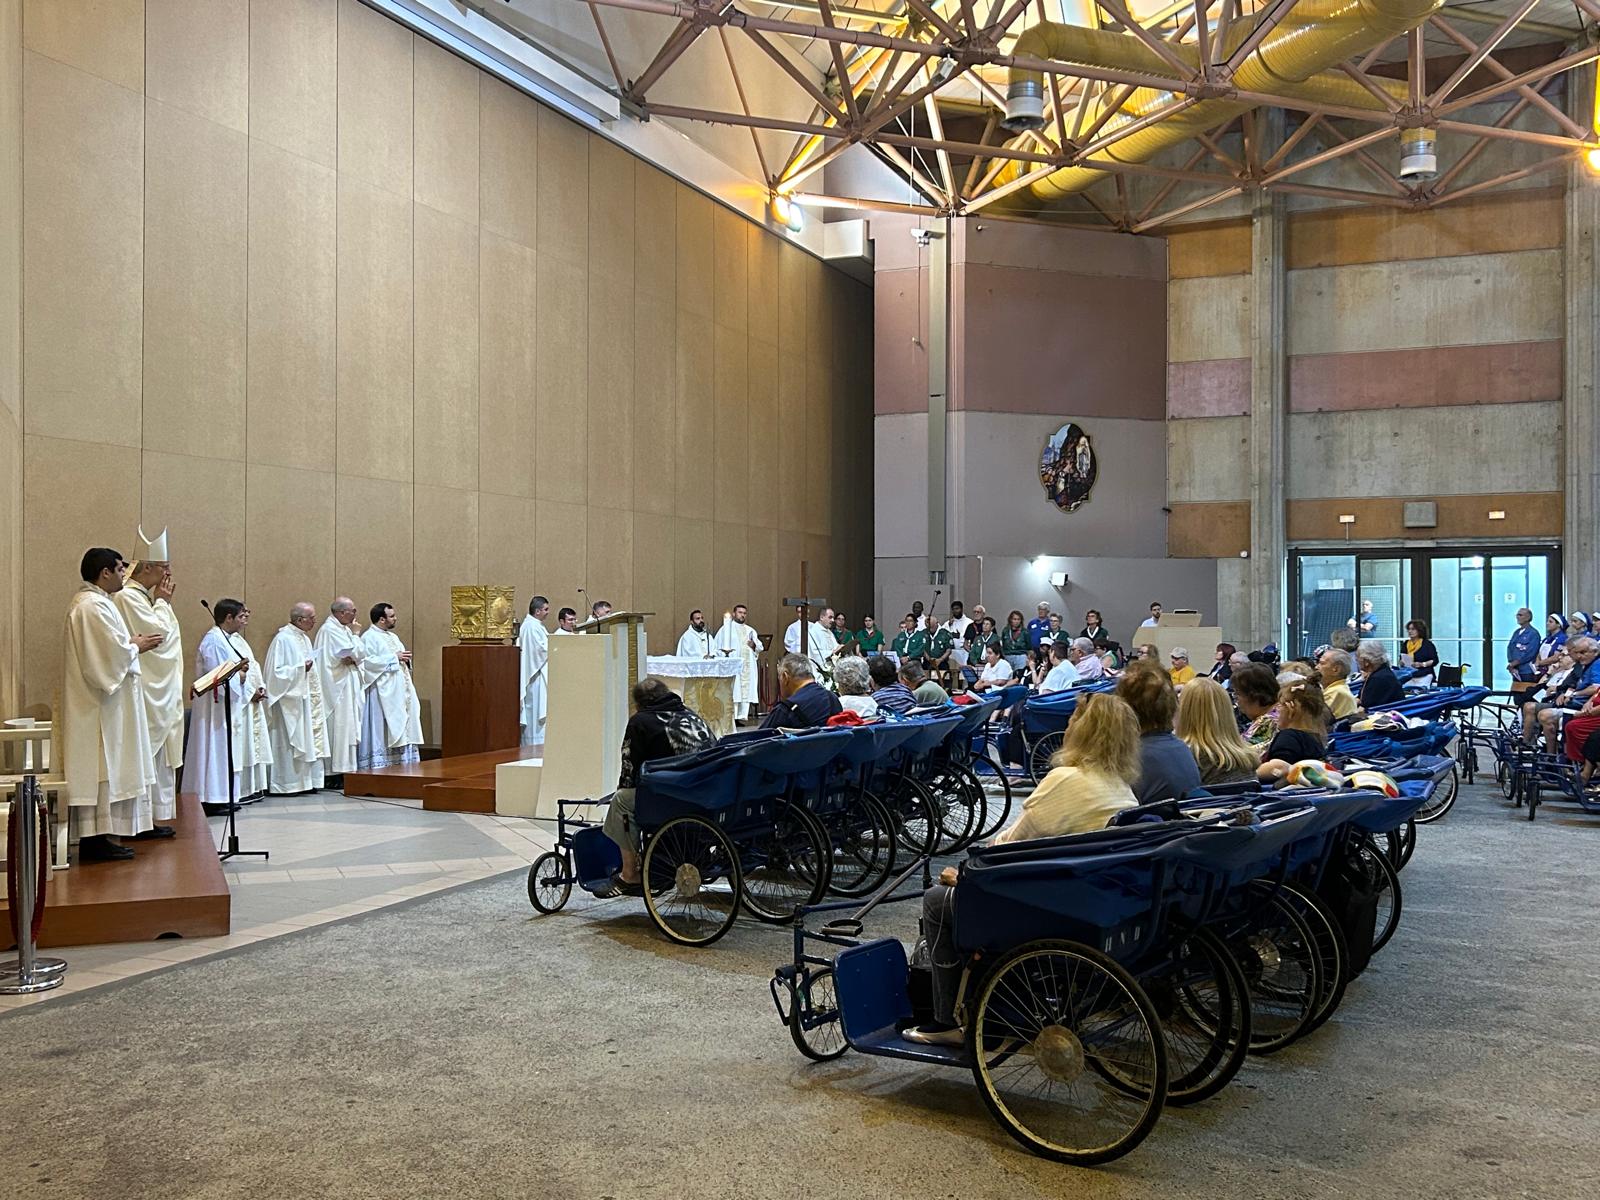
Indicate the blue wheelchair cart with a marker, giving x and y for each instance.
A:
(1043, 724)
(1440, 736)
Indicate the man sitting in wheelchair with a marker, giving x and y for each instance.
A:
(1089, 783)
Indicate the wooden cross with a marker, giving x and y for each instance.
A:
(803, 604)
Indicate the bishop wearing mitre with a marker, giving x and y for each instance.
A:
(105, 743)
(339, 655)
(297, 721)
(391, 721)
(533, 642)
(738, 640)
(146, 608)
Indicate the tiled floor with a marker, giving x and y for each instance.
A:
(331, 858)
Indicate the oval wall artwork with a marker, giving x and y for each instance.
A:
(1067, 468)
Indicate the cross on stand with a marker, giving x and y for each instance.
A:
(803, 604)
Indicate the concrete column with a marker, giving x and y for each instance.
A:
(1581, 521)
(1269, 399)
(939, 252)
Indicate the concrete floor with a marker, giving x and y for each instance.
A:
(462, 1046)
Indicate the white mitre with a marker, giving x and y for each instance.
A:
(154, 551)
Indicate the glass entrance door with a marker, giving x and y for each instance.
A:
(1475, 603)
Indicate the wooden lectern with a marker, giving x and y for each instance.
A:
(589, 705)
(482, 701)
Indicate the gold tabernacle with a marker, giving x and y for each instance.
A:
(481, 613)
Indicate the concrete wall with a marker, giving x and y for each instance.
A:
(349, 316)
(1453, 316)
(10, 355)
(1047, 326)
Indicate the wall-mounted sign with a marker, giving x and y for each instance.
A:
(1067, 468)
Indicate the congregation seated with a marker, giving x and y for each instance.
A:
(854, 681)
(1167, 769)
(1567, 694)
(1063, 673)
(927, 693)
(1302, 731)
(1180, 672)
(1038, 666)
(996, 672)
(1334, 668)
(662, 726)
(888, 693)
(1207, 726)
(1085, 658)
(1088, 784)
(1222, 666)
(803, 703)
(1379, 686)
(1255, 694)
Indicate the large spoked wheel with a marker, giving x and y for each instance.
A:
(953, 808)
(916, 825)
(1205, 1017)
(691, 878)
(1504, 777)
(814, 1018)
(1067, 1053)
(862, 841)
(1041, 753)
(549, 882)
(1442, 800)
(1402, 844)
(997, 800)
(1332, 949)
(1277, 953)
(784, 867)
(1386, 881)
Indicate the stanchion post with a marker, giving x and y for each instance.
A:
(27, 973)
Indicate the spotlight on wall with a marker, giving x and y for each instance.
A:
(1347, 518)
(1037, 562)
(1497, 514)
(1058, 579)
(787, 213)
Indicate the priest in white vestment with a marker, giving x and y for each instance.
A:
(255, 763)
(339, 655)
(697, 641)
(207, 754)
(391, 720)
(534, 644)
(566, 622)
(821, 645)
(737, 639)
(145, 605)
(105, 743)
(297, 721)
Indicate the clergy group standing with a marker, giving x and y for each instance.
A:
(821, 645)
(391, 721)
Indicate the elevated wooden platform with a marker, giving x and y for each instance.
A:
(174, 886)
(464, 783)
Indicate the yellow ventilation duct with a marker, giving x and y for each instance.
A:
(1295, 59)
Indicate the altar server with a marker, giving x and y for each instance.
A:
(297, 720)
(207, 754)
(534, 643)
(105, 745)
(391, 722)
(697, 641)
(339, 654)
(145, 607)
(737, 639)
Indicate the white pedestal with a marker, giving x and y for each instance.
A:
(516, 788)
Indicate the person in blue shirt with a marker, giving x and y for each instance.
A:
(1523, 648)
(1039, 627)
(1574, 693)
(806, 703)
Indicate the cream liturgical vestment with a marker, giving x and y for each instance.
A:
(739, 641)
(255, 732)
(105, 743)
(339, 655)
(391, 722)
(534, 643)
(820, 642)
(205, 761)
(696, 643)
(161, 679)
(296, 718)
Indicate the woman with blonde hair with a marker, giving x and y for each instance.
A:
(1087, 785)
(1206, 725)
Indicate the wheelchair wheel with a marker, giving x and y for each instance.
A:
(997, 806)
(1387, 882)
(862, 842)
(1277, 953)
(1442, 800)
(784, 867)
(1331, 947)
(549, 882)
(814, 1018)
(1067, 1053)
(691, 878)
(916, 826)
(1040, 754)
(1205, 1017)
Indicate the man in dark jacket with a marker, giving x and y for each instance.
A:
(662, 726)
(804, 702)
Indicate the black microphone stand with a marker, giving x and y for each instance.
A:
(231, 835)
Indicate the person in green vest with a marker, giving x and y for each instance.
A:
(870, 637)
(1015, 642)
(981, 640)
(941, 641)
(910, 642)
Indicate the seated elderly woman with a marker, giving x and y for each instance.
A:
(1570, 696)
(854, 681)
(1088, 784)
(1334, 669)
(1255, 692)
(1167, 770)
(1379, 686)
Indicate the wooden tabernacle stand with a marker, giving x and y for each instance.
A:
(480, 699)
